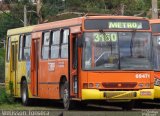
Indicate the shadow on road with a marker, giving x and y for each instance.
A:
(147, 104)
(98, 106)
(58, 105)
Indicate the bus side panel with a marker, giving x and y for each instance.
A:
(63, 68)
(43, 77)
(53, 79)
(21, 73)
(56, 69)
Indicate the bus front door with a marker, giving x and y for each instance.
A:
(34, 66)
(14, 76)
(74, 66)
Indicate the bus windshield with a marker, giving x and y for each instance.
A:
(117, 51)
(156, 52)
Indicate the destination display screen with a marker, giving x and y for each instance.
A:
(125, 24)
(155, 28)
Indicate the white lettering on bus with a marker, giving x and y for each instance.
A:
(140, 76)
(130, 25)
(51, 66)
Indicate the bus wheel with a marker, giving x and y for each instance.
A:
(128, 105)
(66, 99)
(24, 93)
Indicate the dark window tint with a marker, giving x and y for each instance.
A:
(45, 45)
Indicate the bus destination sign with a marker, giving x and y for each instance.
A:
(125, 24)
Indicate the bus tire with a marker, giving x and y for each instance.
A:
(67, 103)
(24, 93)
(128, 105)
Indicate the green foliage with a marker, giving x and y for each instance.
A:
(17, 12)
(11, 87)
(7, 22)
(4, 97)
(14, 18)
(50, 8)
(2, 65)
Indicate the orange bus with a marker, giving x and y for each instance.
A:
(155, 26)
(82, 59)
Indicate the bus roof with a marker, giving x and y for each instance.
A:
(65, 23)
(116, 17)
(58, 24)
(20, 30)
(152, 21)
(78, 21)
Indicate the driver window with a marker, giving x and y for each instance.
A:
(88, 53)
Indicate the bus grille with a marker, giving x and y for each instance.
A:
(119, 84)
(122, 95)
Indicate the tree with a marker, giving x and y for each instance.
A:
(2, 65)
(50, 10)
(7, 22)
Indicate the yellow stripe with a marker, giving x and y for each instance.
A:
(95, 94)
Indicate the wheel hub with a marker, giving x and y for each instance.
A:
(24, 96)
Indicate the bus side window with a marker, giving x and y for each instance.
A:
(45, 45)
(54, 46)
(8, 50)
(27, 46)
(64, 45)
(20, 47)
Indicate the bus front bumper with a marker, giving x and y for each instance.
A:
(95, 94)
(157, 92)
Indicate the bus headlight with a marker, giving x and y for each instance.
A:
(90, 85)
(144, 85)
(85, 85)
